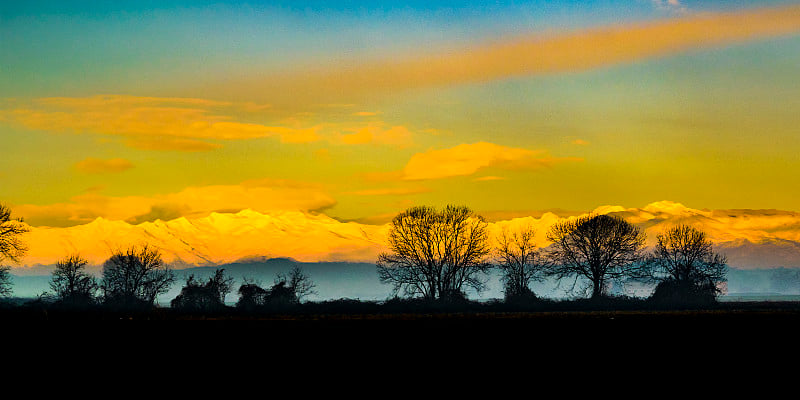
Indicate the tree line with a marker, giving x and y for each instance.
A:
(434, 255)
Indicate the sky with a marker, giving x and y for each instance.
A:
(142, 110)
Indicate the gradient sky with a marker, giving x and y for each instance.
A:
(137, 110)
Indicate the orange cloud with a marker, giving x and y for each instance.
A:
(490, 178)
(391, 191)
(171, 144)
(150, 122)
(398, 136)
(99, 166)
(533, 54)
(466, 159)
(261, 195)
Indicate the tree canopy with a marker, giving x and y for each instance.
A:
(520, 262)
(435, 254)
(135, 276)
(11, 246)
(684, 265)
(70, 282)
(599, 248)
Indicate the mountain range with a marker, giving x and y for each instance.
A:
(749, 238)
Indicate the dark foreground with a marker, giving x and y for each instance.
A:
(726, 331)
(542, 316)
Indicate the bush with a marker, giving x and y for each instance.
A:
(683, 293)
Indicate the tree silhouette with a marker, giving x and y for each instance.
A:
(287, 290)
(684, 266)
(520, 263)
(71, 284)
(435, 254)
(134, 277)
(600, 248)
(251, 296)
(11, 247)
(298, 282)
(196, 296)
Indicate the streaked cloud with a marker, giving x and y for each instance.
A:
(377, 133)
(533, 54)
(152, 123)
(189, 124)
(467, 159)
(396, 191)
(172, 144)
(93, 165)
(490, 178)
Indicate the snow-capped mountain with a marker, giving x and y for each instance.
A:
(750, 238)
(215, 239)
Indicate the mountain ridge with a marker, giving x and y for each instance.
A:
(751, 238)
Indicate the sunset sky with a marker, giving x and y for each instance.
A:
(145, 110)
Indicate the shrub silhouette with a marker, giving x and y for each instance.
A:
(251, 296)
(209, 296)
(671, 292)
(287, 292)
(685, 268)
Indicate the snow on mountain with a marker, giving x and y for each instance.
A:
(750, 238)
(217, 238)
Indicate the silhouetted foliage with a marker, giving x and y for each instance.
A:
(520, 263)
(71, 284)
(670, 292)
(685, 267)
(287, 291)
(11, 247)
(435, 254)
(251, 296)
(209, 296)
(600, 248)
(135, 277)
(297, 282)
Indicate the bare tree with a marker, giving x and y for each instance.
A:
(435, 254)
(71, 283)
(11, 247)
(600, 248)
(520, 262)
(135, 276)
(684, 261)
(298, 282)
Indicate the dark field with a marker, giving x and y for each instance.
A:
(726, 331)
(365, 313)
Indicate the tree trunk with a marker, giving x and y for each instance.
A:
(597, 289)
